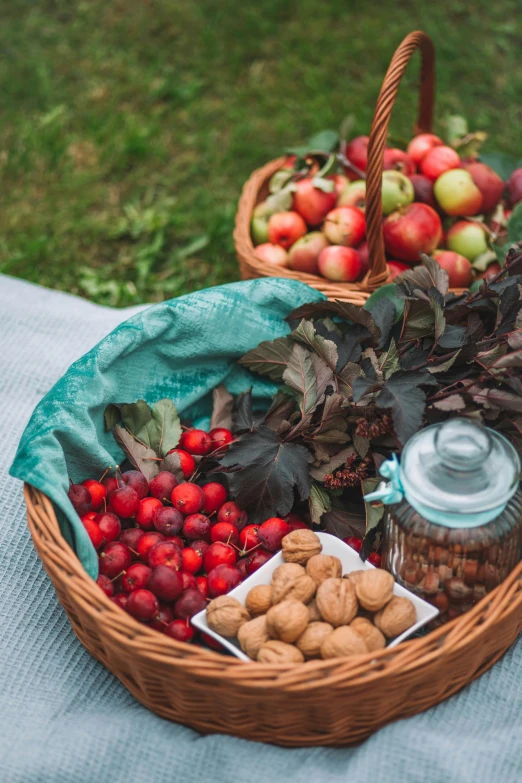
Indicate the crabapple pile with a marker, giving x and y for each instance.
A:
(167, 547)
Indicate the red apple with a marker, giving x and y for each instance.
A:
(303, 255)
(397, 160)
(362, 251)
(412, 230)
(357, 152)
(438, 160)
(421, 145)
(285, 228)
(492, 270)
(397, 268)
(514, 187)
(345, 226)
(423, 190)
(341, 182)
(457, 194)
(467, 238)
(458, 268)
(354, 195)
(272, 254)
(339, 263)
(312, 203)
(488, 182)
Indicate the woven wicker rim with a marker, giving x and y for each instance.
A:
(255, 189)
(479, 637)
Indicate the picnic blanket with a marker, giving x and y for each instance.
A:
(65, 719)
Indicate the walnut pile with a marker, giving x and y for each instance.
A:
(312, 610)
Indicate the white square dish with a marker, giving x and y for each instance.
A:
(350, 561)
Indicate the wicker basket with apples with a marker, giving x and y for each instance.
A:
(351, 219)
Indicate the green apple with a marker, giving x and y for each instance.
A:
(353, 195)
(468, 239)
(457, 194)
(259, 223)
(397, 191)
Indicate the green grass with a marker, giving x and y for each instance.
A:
(127, 128)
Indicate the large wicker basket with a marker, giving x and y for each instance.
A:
(337, 702)
(256, 188)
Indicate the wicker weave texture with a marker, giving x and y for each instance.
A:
(338, 702)
(255, 189)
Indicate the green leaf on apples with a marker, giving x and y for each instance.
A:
(501, 252)
(482, 261)
(326, 141)
(456, 128)
(279, 180)
(265, 474)
(501, 162)
(514, 226)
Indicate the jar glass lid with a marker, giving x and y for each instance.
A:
(460, 467)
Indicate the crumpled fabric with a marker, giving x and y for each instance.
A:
(181, 350)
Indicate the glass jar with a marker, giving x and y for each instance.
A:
(453, 530)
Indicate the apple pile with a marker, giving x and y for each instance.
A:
(166, 546)
(433, 202)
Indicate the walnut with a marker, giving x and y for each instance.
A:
(396, 617)
(275, 651)
(321, 567)
(354, 576)
(311, 640)
(259, 599)
(336, 601)
(300, 545)
(286, 621)
(226, 615)
(253, 635)
(371, 635)
(313, 611)
(342, 642)
(374, 588)
(290, 580)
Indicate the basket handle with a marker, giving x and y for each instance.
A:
(378, 273)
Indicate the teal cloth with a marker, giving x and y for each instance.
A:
(179, 349)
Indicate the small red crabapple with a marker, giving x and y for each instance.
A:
(189, 603)
(189, 580)
(109, 525)
(180, 631)
(80, 498)
(120, 599)
(219, 554)
(114, 559)
(97, 492)
(94, 532)
(222, 579)
(197, 526)
(220, 437)
(165, 583)
(196, 442)
(162, 485)
(165, 553)
(199, 546)
(248, 537)
(131, 537)
(142, 605)
(202, 583)
(138, 482)
(146, 510)
(146, 542)
(135, 577)
(110, 483)
(186, 461)
(162, 619)
(215, 496)
(211, 642)
(176, 540)
(124, 502)
(258, 559)
(168, 520)
(230, 512)
(354, 542)
(241, 566)
(272, 532)
(225, 532)
(106, 585)
(188, 498)
(192, 560)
